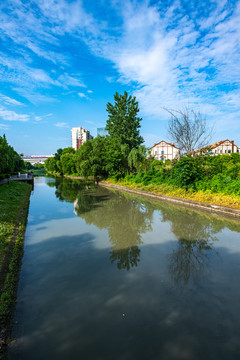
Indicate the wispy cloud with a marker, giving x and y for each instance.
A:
(68, 80)
(62, 125)
(42, 117)
(171, 55)
(10, 115)
(82, 95)
(193, 59)
(9, 101)
(4, 127)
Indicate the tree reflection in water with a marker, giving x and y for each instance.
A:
(195, 232)
(127, 217)
(189, 260)
(126, 220)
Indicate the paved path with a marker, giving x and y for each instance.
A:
(22, 177)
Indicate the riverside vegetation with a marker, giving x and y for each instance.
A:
(14, 199)
(121, 158)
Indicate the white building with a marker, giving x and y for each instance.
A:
(165, 151)
(222, 147)
(36, 159)
(79, 136)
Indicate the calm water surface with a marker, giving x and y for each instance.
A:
(108, 275)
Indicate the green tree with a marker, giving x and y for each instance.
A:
(136, 158)
(51, 165)
(123, 123)
(11, 161)
(67, 163)
(186, 171)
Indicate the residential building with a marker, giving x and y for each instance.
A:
(165, 151)
(221, 147)
(102, 131)
(80, 136)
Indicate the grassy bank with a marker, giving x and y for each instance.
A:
(14, 200)
(171, 190)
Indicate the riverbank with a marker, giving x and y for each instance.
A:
(14, 203)
(215, 202)
(209, 205)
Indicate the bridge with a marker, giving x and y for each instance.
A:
(21, 177)
(36, 159)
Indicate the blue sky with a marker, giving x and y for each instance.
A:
(61, 61)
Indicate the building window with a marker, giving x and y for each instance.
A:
(229, 151)
(220, 151)
(237, 150)
(162, 158)
(162, 152)
(215, 151)
(155, 152)
(225, 151)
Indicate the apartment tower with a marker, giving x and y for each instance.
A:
(79, 136)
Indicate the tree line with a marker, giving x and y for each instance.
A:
(122, 155)
(114, 155)
(11, 162)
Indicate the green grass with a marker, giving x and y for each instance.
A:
(206, 196)
(12, 204)
(11, 198)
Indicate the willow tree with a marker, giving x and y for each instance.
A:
(123, 124)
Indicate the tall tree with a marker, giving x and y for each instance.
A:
(188, 129)
(123, 123)
(10, 160)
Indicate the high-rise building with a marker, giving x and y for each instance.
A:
(79, 136)
(102, 131)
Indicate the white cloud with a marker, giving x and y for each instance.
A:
(4, 127)
(42, 118)
(34, 95)
(37, 118)
(82, 95)
(68, 80)
(62, 125)
(10, 115)
(9, 101)
(174, 56)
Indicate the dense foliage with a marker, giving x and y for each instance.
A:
(123, 124)
(101, 157)
(120, 155)
(11, 162)
(219, 174)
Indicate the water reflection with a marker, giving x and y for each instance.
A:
(196, 234)
(189, 260)
(125, 221)
(127, 218)
(74, 304)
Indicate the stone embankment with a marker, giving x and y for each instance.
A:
(176, 200)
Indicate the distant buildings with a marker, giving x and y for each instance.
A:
(220, 148)
(102, 131)
(36, 159)
(165, 151)
(79, 136)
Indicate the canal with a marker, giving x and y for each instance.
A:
(109, 275)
